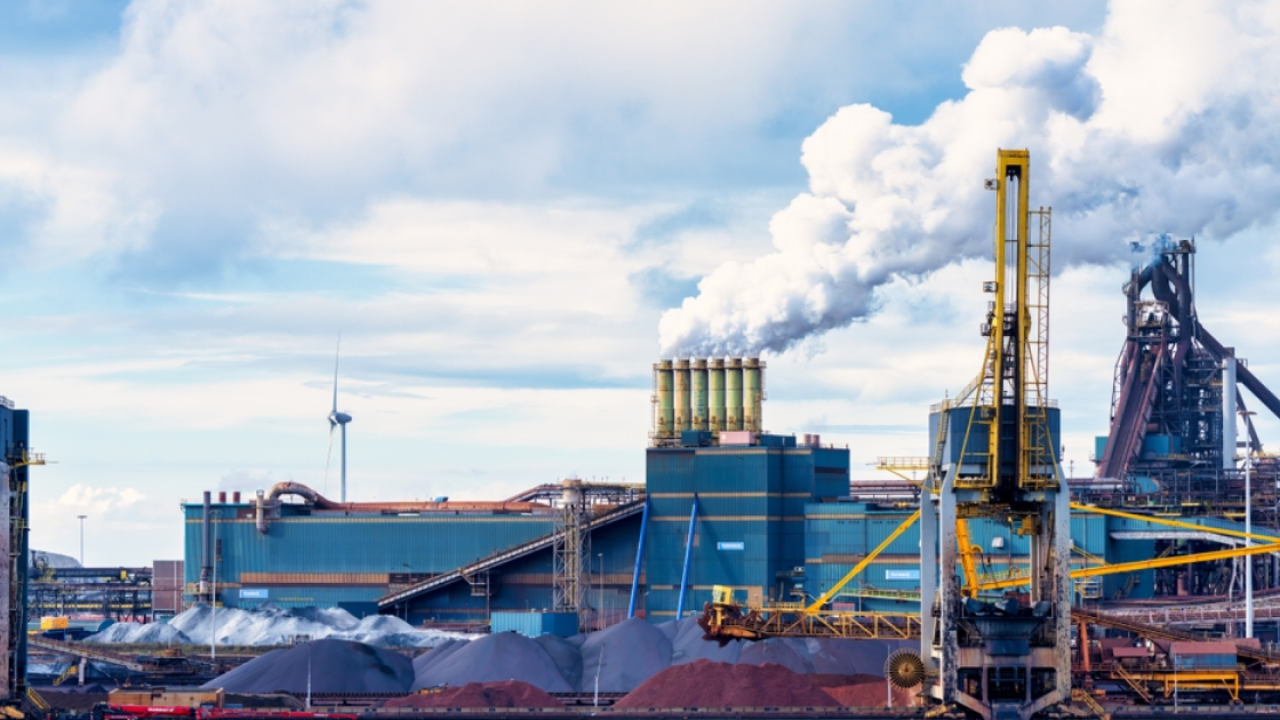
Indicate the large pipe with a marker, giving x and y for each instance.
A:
(752, 395)
(715, 395)
(206, 570)
(666, 412)
(1229, 410)
(688, 557)
(698, 393)
(684, 411)
(322, 503)
(733, 394)
(635, 575)
(1243, 374)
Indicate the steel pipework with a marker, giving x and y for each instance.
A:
(666, 417)
(752, 394)
(683, 406)
(698, 393)
(733, 394)
(715, 395)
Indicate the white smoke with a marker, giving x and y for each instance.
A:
(1167, 120)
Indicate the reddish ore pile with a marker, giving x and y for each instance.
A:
(506, 694)
(703, 683)
(862, 691)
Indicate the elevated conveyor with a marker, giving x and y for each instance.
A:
(502, 557)
(166, 666)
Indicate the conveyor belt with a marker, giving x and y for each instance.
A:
(502, 557)
(1164, 633)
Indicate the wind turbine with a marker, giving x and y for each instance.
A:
(338, 419)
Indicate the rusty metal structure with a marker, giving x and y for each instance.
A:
(1178, 400)
(1175, 402)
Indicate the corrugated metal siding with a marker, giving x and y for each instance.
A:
(526, 584)
(356, 544)
(262, 578)
(305, 596)
(535, 624)
(753, 496)
(351, 559)
(167, 574)
(839, 535)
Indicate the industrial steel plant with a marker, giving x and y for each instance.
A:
(1008, 589)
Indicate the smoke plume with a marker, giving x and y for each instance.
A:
(1167, 120)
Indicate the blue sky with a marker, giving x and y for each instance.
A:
(496, 203)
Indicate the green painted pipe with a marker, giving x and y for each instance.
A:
(751, 395)
(698, 391)
(733, 394)
(684, 412)
(715, 395)
(666, 412)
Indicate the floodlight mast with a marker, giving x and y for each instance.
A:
(996, 456)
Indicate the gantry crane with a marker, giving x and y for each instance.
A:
(995, 455)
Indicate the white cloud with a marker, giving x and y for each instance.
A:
(99, 500)
(1189, 153)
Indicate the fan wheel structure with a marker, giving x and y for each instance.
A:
(904, 669)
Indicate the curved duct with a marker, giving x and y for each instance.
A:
(321, 502)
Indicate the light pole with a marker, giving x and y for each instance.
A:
(81, 518)
(1248, 526)
(601, 606)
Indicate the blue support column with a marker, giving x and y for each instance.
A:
(635, 576)
(688, 556)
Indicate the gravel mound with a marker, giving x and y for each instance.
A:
(867, 691)
(688, 646)
(494, 658)
(141, 633)
(703, 683)
(435, 655)
(791, 653)
(270, 624)
(623, 656)
(333, 666)
(509, 694)
(567, 657)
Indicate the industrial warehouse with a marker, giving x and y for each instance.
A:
(1139, 583)
(567, 360)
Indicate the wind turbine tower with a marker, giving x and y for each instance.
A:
(339, 419)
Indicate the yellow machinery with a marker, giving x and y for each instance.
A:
(995, 456)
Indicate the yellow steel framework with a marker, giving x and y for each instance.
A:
(1116, 568)
(968, 557)
(900, 466)
(817, 605)
(1174, 523)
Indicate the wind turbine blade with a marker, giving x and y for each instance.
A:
(328, 455)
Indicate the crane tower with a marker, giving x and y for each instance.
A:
(995, 455)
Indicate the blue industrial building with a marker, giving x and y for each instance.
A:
(15, 438)
(318, 553)
(749, 521)
(774, 519)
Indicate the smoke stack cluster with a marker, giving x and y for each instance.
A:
(707, 394)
